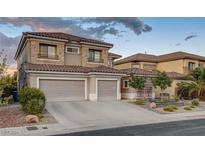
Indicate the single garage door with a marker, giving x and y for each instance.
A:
(107, 90)
(63, 90)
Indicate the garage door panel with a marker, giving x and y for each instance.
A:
(107, 90)
(63, 90)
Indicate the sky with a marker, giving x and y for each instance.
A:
(129, 35)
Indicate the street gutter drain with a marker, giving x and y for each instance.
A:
(45, 127)
(31, 128)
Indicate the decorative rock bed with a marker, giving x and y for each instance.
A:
(14, 116)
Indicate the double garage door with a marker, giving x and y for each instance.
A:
(74, 90)
(63, 90)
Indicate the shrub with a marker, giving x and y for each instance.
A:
(187, 108)
(140, 102)
(32, 100)
(192, 106)
(6, 100)
(195, 102)
(170, 108)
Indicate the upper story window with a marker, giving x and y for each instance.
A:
(201, 65)
(149, 66)
(125, 84)
(95, 56)
(72, 50)
(191, 66)
(135, 65)
(48, 51)
(110, 62)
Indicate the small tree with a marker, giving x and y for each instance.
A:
(162, 81)
(3, 65)
(137, 82)
(3, 68)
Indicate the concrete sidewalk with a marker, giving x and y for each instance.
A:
(54, 129)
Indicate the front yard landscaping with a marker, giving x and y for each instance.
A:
(171, 106)
(14, 116)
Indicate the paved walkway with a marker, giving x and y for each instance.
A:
(83, 116)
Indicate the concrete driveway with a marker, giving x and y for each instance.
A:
(100, 114)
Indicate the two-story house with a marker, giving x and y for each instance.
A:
(176, 65)
(67, 67)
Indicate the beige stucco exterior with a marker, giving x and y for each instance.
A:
(170, 90)
(30, 54)
(91, 86)
(171, 66)
(31, 51)
(179, 66)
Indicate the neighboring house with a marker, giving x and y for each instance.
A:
(176, 64)
(128, 92)
(67, 67)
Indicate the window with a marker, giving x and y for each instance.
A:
(72, 50)
(191, 66)
(125, 84)
(47, 51)
(94, 56)
(149, 66)
(201, 65)
(135, 66)
(110, 62)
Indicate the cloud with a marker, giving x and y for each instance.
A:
(177, 44)
(105, 25)
(134, 24)
(102, 30)
(9, 45)
(190, 37)
(88, 27)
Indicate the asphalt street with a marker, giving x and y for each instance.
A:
(179, 128)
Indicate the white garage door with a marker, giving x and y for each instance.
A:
(107, 90)
(63, 90)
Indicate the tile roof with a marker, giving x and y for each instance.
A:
(65, 36)
(70, 68)
(138, 71)
(142, 72)
(161, 58)
(175, 75)
(114, 55)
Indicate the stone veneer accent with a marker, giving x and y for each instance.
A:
(35, 51)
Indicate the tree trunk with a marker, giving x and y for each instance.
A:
(162, 96)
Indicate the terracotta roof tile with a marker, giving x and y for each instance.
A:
(153, 58)
(140, 72)
(65, 36)
(69, 68)
(175, 75)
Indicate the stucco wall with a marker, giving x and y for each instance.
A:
(171, 90)
(123, 66)
(73, 59)
(171, 66)
(35, 51)
(85, 52)
(91, 81)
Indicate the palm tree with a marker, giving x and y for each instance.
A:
(195, 83)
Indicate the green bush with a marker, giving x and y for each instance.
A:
(195, 102)
(192, 106)
(139, 101)
(6, 100)
(187, 108)
(35, 106)
(32, 99)
(170, 108)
